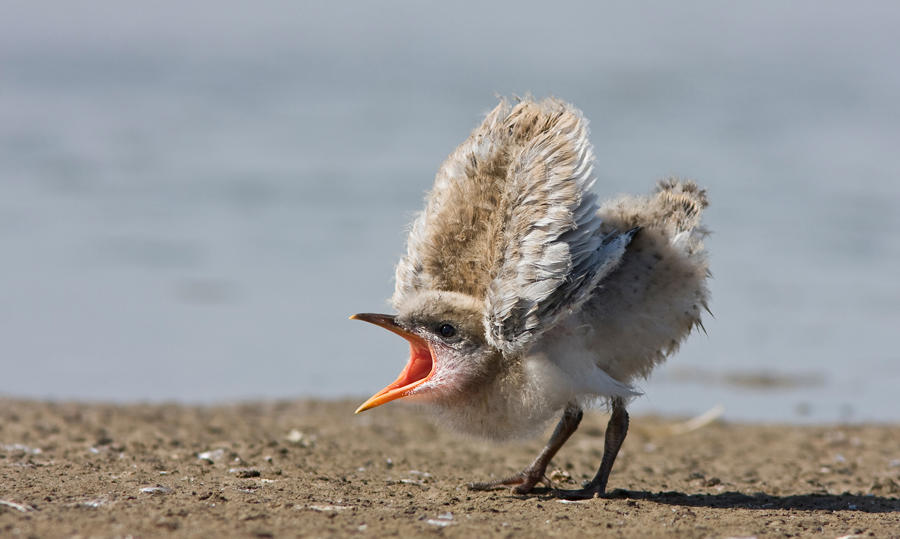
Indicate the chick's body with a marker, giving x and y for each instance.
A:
(522, 298)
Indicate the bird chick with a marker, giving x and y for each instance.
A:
(521, 298)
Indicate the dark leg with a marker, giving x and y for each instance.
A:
(615, 435)
(525, 480)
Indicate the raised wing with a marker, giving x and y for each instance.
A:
(512, 220)
(552, 254)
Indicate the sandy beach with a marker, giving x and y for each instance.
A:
(314, 469)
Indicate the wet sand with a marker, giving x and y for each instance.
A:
(314, 469)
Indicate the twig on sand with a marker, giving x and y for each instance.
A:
(698, 422)
(19, 507)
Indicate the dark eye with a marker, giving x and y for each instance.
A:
(447, 331)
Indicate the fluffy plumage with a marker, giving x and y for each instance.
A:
(531, 299)
(512, 219)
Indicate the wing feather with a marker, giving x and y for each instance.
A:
(511, 220)
(552, 254)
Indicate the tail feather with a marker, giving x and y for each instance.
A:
(681, 203)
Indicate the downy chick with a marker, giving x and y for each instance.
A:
(521, 298)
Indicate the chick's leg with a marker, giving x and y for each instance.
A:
(525, 480)
(616, 430)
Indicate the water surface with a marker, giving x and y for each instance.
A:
(194, 196)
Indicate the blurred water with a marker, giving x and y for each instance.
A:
(195, 195)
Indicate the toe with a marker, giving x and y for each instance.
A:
(581, 494)
(494, 485)
(524, 488)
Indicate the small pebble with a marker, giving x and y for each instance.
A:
(211, 456)
(158, 489)
(327, 508)
(244, 473)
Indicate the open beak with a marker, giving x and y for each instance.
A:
(417, 371)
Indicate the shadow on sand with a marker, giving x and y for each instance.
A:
(761, 500)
